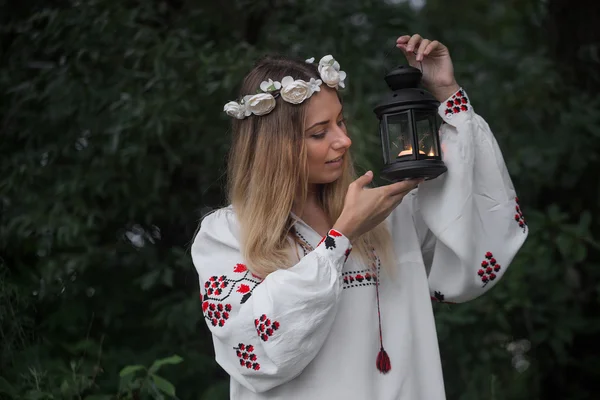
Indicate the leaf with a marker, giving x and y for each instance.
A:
(99, 397)
(130, 369)
(174, 359)
(246, 297)
(164, 385)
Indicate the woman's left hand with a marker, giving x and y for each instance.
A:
(438, 71)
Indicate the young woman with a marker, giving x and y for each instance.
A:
(293, 315)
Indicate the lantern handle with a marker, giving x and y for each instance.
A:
(388, 53)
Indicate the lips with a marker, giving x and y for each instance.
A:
(335, 160)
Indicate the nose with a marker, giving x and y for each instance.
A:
(342, 141)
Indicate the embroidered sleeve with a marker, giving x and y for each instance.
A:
(472, 214)
(265, 331)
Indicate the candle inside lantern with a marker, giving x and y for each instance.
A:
(408, 152)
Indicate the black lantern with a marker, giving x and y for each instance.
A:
(409, 128)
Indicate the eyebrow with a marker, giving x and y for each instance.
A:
(323, 122)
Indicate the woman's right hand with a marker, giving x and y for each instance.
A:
(365, 208)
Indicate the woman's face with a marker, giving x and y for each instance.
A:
(326, 137)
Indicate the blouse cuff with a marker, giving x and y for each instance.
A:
(335, 244)
(456, 108)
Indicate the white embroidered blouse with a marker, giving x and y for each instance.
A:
(311, 331)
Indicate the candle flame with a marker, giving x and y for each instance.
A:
(408, 151)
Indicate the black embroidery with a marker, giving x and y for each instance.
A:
(329, 242)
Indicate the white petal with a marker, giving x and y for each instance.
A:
(287, 80)
(310, 60)
(342, 75)
(264, 86)
(336, 65)
(277, 85)
(326, 60)
(341, 83)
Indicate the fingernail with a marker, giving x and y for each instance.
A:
(369, 173)
(409, 48)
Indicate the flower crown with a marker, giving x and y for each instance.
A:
(290, 90)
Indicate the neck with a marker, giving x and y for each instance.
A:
(311, 201)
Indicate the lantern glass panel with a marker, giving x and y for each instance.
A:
(399, 136)
(426, 133)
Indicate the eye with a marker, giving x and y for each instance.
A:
(342, 122)
(319, 135)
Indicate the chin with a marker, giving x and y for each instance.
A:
(325, 178)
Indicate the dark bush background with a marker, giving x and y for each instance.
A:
(113, 140)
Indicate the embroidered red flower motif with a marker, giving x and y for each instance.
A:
(243, 288)
(334, 233)
(247, 357)
(488, 266)
(347, 254)
(216, 314)
(457, 103)
(239, 268)
(322, 240)
(519, 218)
(265, 327)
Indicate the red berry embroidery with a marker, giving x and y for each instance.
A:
(265, 327)
(245, 352)
(519, 218)
(458, 103)
(488, 266)
(215, 313)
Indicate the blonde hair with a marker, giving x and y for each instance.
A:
(268, 171)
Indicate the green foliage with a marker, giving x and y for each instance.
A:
(113, 146)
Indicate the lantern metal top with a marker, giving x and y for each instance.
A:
(404, 81)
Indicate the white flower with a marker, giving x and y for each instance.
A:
(310, 60)
(332, 77)
(260, 104)
(234, 109)
(315, 84)
(269, 86)
(328, 60)
(295, 91)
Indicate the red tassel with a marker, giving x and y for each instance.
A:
(383, 362)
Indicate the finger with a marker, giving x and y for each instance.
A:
(422, 47)
(413, 42)
(364, 180)
(403, 39)
(402, 187)
(430, 47)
